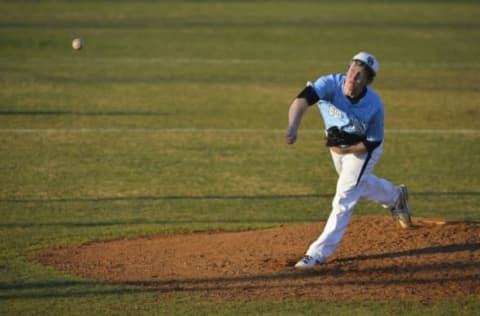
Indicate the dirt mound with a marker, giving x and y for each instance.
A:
(376, 260)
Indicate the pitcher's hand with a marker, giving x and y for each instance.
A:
(291, 135)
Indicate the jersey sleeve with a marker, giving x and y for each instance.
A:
(324, 87)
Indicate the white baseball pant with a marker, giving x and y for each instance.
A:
(356, 180)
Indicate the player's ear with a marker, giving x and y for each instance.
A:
(370, 75)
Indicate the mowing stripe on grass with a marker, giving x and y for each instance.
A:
(233, 61)
(216, 130)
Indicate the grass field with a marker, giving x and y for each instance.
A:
(172, 118)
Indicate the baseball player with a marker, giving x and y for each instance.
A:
(353, 116)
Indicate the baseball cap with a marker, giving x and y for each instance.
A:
(369, 60)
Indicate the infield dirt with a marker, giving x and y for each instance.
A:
(376, 260)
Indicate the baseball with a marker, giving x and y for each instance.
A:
(78, 43)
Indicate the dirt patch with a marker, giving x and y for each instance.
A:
(375, 260)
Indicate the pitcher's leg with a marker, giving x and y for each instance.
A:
(379, 190)
(346, 197)
(374, 188)
(394, 198)
(351, 168)
(332, 234)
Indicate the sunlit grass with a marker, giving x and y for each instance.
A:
(172, 116)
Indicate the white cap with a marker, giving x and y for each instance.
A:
(369, 60)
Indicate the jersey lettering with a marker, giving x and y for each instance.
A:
(334, 112)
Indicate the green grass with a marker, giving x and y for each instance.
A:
(172, 119)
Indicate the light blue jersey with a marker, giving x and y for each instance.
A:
(364, 117)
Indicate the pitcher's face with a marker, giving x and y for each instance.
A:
(356, 80)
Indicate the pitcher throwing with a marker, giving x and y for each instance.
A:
(354, 126)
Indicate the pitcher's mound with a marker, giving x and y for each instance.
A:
(376, 260)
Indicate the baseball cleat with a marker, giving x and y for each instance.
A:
(308, 262)
(401, 212)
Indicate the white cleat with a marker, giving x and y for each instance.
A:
(308, 262)
(401, 212)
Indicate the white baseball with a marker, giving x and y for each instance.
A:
(78, 43)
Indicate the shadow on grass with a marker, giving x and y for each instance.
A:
(294, 280)
(213, 197)
(159, 222)
(75, 113)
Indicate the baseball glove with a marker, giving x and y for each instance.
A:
(337, 137)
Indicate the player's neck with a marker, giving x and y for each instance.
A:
(354, 98)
